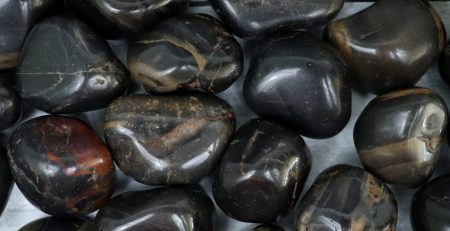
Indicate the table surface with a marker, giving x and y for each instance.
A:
(325, 153)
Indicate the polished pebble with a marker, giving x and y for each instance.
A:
(430, 210)
(262, 173)
(59, 224)
(6, 182)
(344, 197)
(65, 67)
(389, 45)
(444, 64)
(187, 53)
(168, 139)
(120, 18)
(173, 209)
(267, 228)
(10, 103)
(399, 134)
(299, 80)
(61, 165)
(250, 18)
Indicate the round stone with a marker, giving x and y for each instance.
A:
(10, 103)
(59, 224)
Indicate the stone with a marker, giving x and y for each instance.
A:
(17, 17)
(262, 172)
(10, 103)
(61, 165)
(344, 197)
(174, 209)
(389, 45)
(66, 67)
(268, 227)
(251, 18)
(59, 224)
(6, 182)
(300, 81)
(168, 139)
(187, 53)
(430, 210)
(399, 134)
(444, 64)
(121, 18)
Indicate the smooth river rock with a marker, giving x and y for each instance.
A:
(343, 198)
(191, 53)
(61, 165)
(59, 224)
(430, 210)
(267, 228)
(6, 182)
(65, 67)
(262, 173)
(389, 45)
(399, 134)
(299, 80)
(173, 209)
(444, 64)
(168, 139)
(10, 103)
(17, 17)
(251, 18)
(121, 18)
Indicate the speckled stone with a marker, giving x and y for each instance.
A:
(10, 103)
(59, 224)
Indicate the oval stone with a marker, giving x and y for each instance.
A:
(300, 81)
(262, 172)
(191, 52)
(61, 165)
(65, 67)
(347, 198)
(399, 134)
(10, 103)
(444, 64)
(382, 50)
(6, 182)
(430, 210)
(250, 18)
(168, 140)
(267, 228)
(59, 224)
(158, 209)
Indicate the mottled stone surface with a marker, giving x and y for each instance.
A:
(389, 45)
(344, 197)
(65, 67)
(267, 228)
(399, 134)
(190, 53)
(251, 18)
(10, 103)
(173, 209)
(119, 18)
(262, 172)
(168, 140)
(61, 165)
(299, 80)
(5, 180)
(17, 17)
(430, 210)
(59, 224)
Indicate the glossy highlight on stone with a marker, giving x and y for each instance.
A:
(17, 17)
(262, 172)
(120, 18)
(267, 228)
(399, 134)
(191, 53)
(65, 67)
(389, 45)
(299, 80)
(61, 165)
(344, 197)
(168, 139)
(250, 18)
(430, 210)
(172, 209)
(59, 224)
(6, 182)
(10, 103)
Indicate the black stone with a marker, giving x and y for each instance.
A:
(262, 172)
(399, 134)
(65, 67)
(191, 52)
(171, 209)
(10, 103)
(59, 224)
(120, 18)
(17, 17)
(250, 18)
(347, 198)
(300, 81)
(430, 209)
(61, 165)
(267, 228)
(444, 64)
(389, 45)
(5, 180)
(168, 140)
